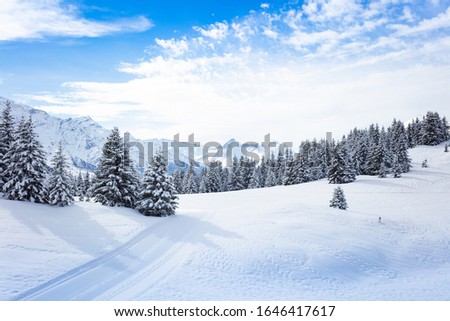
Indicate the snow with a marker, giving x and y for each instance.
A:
(279, 243)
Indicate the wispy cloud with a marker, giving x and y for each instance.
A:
(30, 19)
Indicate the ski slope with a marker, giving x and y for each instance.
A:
(280, 243)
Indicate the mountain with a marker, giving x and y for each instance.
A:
(81, 137)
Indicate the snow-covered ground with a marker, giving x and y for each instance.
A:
(281, 243)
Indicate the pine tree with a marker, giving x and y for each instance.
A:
(190, 185)
(399, 146)
(338, 200)
(6, 140)
(431, 130)
(26, 166)
(255, 181)
(79, 187)
(59, 191)
(444, 129)
(281, 167)
(178, 178)
(397, 169)
(87, 185)
(425, 163)
(157, 196)
(271, 179)
(235, 180)
(115, 181)
(290, 173)
(446, 148)
(340, 171)
(214, 178)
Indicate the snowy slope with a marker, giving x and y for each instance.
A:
(281, 243)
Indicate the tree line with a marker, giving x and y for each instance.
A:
(25, 176)
(372, 151)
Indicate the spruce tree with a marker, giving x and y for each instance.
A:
(235, 180)
(178, 177)
(158, 195)
(255, 181)
(26, 169)
(59, 191)
(290, 173)
(214, 178)
(190, 185)
(271, 179)
(79, 187)
(115, 181)
(397, 169)
(340, 171)
(6, 140)
(338, 200)
(87, 186)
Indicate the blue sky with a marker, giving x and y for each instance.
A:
(222, 69)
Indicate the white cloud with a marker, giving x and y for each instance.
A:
(441, 21)
(265, 6)
(27, 19)
(216, 31)
(270, 33)
(175, 47)
(330, 9)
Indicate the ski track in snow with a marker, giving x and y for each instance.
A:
(281, 243)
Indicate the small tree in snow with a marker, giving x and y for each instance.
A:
(338, 200)
(425, 163)
(157, 196)
(59, 189)
(446, 148)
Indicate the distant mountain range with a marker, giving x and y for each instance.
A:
(82, 139)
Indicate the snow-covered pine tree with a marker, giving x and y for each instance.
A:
(397, 169)
(178, 177)
(444, 129)
(382, 171)
(338, 200)
(79, 186)
(246, 169)
(190, 184)
(399, 146)
(157, 196)
(214, 177)
(340, 171)
(271, 179)
(225, 175)
(281, 167)
(425, 163)
(431, 130)
(59, 186)
(115, 180)
(87, 184)
(255, 181)
(6, 139)
(235, 180)
(290, 173)
(26, 166)
(446, 148)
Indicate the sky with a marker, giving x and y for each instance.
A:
(226, 69)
